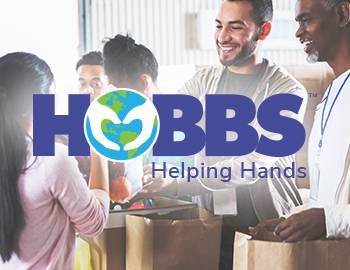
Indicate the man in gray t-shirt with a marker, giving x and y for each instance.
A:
(240, 28)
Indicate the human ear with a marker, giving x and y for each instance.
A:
(343, 14)
(146, 82)
(265, 30)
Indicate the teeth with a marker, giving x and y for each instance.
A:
(307, 42)
(227, 48)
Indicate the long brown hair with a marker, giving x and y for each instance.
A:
(21, 76)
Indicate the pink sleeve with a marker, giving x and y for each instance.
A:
(87, 209)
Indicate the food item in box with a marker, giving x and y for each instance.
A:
(120, 188)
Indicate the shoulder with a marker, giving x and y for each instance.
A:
(61, 163)
(204, 81)
(281, 81)
(210, 71)
(51, 173)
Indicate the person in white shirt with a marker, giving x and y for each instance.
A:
(324, 30)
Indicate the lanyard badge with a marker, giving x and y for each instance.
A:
(316, 171)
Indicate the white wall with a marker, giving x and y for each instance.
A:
(48, 28)
(167, 27)
(174, 29)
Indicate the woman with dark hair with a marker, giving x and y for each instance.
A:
(43, 200)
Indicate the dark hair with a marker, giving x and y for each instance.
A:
(124, 59)
(91, 58)
(262, 10)
(21, 76)
(329, 4)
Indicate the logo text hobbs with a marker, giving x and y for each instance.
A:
(123, 124)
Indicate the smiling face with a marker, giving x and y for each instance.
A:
(317, 30)
(236, 33)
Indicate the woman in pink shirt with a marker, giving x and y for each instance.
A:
(44, 201)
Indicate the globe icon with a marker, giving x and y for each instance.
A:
(121, 124)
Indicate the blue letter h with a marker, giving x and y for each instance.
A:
(46, 125)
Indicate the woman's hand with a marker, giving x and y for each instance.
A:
(98, 172)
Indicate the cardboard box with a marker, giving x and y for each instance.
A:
(185, 239)
(306, 255)
(108, 249)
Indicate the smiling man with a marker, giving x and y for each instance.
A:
(324, 29)
(241, 27)
(237, 36)
(316, 29)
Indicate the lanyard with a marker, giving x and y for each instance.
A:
(324, 125)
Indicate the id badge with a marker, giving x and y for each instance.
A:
(315, 180)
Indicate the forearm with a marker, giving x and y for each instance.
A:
(228, 175)
(237, 171)
(338, 221)
(192, 188)
(99, 173)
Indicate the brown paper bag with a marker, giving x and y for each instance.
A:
(182, 240)
(108, 249)
(305, 255)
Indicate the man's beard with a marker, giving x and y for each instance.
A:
(242, 57)
(313, 57)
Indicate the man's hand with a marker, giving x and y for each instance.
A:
(267, 225)
(306, 225)
(147, 173)
(160, 185)
(157, 184)
(264, 230)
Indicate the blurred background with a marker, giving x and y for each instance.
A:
(179, 32)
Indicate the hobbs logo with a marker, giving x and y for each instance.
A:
(123, 124)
